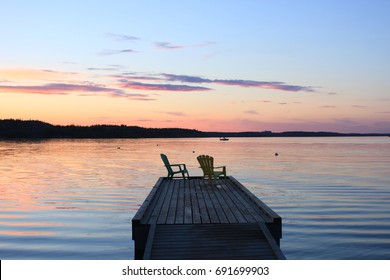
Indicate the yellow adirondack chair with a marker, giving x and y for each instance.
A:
(209, 170)
(182, 168)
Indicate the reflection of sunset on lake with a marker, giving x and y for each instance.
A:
(27, 223)
(74, 199)
(26, 233)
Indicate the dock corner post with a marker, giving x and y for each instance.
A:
(140, 236)
(275, 229)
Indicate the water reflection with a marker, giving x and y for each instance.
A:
(74, 199)
(26, 233)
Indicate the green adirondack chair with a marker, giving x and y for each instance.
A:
(182, 168)
(209, 170)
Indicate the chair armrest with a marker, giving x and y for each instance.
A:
(223, 167)
(180, 165)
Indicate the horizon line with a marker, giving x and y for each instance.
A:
(193, 129)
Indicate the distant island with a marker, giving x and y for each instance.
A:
(32, 129)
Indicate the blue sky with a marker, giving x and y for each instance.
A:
(208, 65)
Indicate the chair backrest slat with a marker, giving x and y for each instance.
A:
(207, 164)
(166, 163)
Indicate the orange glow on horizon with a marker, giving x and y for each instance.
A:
(65, 98)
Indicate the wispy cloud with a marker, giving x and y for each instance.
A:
(130, 85)
(112, 52)
(265, 85)
(172, 46)
(129, 77)
(80, 89)
(113, 68)
(133, 96)
(53, 88)
(121, 37)
(359, 106)
(251, 112)
(168, 46)
(242, 83)
(179, 114)
(185, 78)
(161, 87)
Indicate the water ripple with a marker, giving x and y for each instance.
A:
(74, 199)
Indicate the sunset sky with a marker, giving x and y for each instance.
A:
(210, 65)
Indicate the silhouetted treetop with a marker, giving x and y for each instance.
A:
(14, 128)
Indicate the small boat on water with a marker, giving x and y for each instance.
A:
(223, 139)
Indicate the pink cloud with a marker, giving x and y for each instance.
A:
(133, 96)
(241, 83)
(128, 77)
(179, 114)
(328, 106)
(162, 87)
(64, 89)
(251, 112)
(265, 85)
(59, 89)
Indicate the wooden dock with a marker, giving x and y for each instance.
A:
(195, 219)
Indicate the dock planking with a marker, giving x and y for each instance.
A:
(196, 219)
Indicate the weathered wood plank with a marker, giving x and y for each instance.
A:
(218, 190)
(271, 241)
(187, 202)
(212, 211)
(223, 241)
(160, 198)
(146, 207)
(174, 199)
(149, 242)
(267, 211)
(193, 219)
(272, 220)
(204, 214)
(234, 206)
(179, 218)
(162, 218)
(219, 209)
(241, 203)
(196, 217)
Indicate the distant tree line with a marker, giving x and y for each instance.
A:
(36, 129)
(11, 128)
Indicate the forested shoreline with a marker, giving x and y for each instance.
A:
(25, 129)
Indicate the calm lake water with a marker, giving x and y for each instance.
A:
(74, 199)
